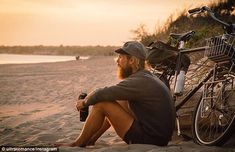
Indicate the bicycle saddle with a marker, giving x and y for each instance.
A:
(182, 37)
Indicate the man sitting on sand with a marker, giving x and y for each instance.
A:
(140, 108)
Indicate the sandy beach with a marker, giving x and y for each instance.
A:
(37, 106)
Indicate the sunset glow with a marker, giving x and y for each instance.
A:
(82, 22)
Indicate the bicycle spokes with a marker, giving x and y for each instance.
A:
(216, 111)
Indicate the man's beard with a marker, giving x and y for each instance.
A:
(124, 72)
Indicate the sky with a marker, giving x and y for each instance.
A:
(82, 22)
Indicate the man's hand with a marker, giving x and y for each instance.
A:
(80, 104)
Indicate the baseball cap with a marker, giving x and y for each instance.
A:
(133, 48)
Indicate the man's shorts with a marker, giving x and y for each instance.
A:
(136, 135)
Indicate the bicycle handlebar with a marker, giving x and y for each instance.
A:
(228, 26)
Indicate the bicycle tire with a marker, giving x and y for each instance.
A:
(201, 136)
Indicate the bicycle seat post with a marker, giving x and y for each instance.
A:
(180, 70)
(179, 74)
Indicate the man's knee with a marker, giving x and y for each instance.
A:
(104, 104)
(125, 106)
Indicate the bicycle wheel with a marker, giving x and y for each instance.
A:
(214, 116)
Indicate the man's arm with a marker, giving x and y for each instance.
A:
(127, 89)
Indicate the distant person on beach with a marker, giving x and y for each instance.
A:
(140, 107)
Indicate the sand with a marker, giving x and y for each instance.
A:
(37, 106)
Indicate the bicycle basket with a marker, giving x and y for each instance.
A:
(221, 48)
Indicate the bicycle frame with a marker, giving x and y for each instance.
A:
(212, 72)
(183, 101)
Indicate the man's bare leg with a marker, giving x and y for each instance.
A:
(106, 124)
(114, 112)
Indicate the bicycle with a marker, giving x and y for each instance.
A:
(214, 114)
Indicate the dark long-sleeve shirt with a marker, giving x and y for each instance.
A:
(149, 99)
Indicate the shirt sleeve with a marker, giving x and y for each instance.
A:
(127, 89)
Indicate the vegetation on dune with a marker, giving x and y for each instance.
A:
(202, 24)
